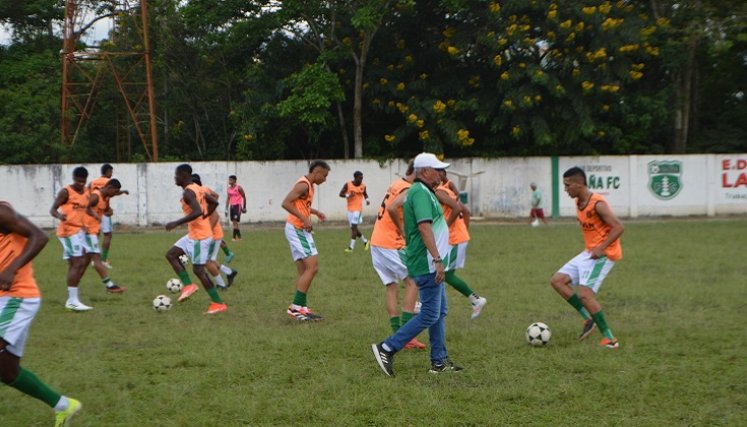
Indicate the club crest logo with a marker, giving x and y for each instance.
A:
(664, 178)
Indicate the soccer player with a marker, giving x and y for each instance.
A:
(586, 271)
(197, 207)
(355, 192)
(212, 264)
(106, 222)
(386, 243)
(20, 299)
(235, 205)
(99, 202)
(458, 239)
(536, 214)
(298, 229)
(74, 202)
(427, 238)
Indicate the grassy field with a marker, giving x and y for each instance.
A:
(677, 302)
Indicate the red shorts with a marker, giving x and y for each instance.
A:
(537, 213)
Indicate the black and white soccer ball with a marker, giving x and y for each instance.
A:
(174, 285)
(184, 259)
(162, 303)
(538, 334)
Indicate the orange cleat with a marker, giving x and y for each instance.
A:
(414, 344)
(609, 343)
(187, 292)
(216, 308)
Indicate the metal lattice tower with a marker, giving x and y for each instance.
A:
(124, 59)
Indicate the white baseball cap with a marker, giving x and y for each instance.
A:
(428, 160)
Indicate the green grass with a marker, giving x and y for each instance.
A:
(677, 302)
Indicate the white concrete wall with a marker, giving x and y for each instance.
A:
(497, 188)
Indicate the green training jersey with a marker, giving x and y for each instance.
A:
(421, 205)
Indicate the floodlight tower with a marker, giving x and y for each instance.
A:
(125, 57)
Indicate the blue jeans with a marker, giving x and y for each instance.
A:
(432, 316)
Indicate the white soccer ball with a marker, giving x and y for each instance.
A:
(162, 303)
(538, 334)
(174, 285)
(184, 259)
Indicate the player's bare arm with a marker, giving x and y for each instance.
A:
(365, 196)
(393, 210)
(243, 198)
(444, 198)
(212, 204)
(11, 222)
(60, 200)
(93, 200)
(319, 214)
(299, 191)
(344, 192)
(195, 212)
(465, 214)
(616, 230)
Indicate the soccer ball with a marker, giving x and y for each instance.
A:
(174, 285)
(184, 259)
(538, 334)
(162, 303)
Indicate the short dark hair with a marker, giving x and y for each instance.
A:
(196, 179)
(318, 164)
(106, 167)
(357, 174)
(575, 171)
(233, 177)
(410, 167)
(184, 168)
(114, 183)
(80, 172)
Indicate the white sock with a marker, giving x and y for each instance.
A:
(225, 270)
(363, 239)
(352, 243)
(61, 404)
(385, 347)
(219, 281)
(295, 306)
(72, 294)
(108, 282)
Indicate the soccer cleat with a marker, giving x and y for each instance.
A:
(115, 289)
(348, 250)
(107, 264)
(609, 343)
(64, 418)
(231, 277)
(367, 246)
(77, 306)
(187, 292)
(310, 315)
(383, 358)
(444, 366)
(477, 307)
(217, 307)
(414, 344)
(297, 314)
(589, 326)
(229, 257)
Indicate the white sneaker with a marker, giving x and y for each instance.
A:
(477, 307)
(77, 306)
(107, 265)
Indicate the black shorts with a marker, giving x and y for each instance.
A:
(235, 213)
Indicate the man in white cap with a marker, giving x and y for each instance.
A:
(427, 238)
